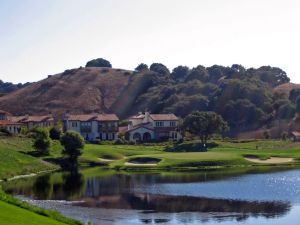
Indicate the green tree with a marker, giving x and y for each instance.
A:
(141, 67)
(55, 133)
(266, 134)
(286, 111)
(73, 144)
(42, 141)
(272, 75)
(298, 105)
(284, 136)
(294, 94)
(180, 72)
(100, 62)
(198, 73)
(204, 124)
(160, 69)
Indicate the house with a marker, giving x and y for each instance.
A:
(7, 124)
(149, 127)
(295, 135)
(93, 126)
(34, 121)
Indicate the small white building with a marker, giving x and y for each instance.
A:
(93, 126)
(153, 127)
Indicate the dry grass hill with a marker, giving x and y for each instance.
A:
(80, 90)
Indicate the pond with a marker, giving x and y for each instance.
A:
(216, 197)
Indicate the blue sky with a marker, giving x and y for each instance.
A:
(43, 37)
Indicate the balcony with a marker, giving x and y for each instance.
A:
(107, 129)
(85, 129)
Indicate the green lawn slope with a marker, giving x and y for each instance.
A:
(14, 161)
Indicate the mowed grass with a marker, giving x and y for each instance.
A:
(225, 154)
(13, 215)
(16, 212)
(14, 160)
(15, 155)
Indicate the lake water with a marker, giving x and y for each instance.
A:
(219, 197)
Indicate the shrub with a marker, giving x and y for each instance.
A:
(73, 144)
(284, 136)
(41, 140)
(119, 141)
(127, 73)
(55, 133)
(131, 142)
(105, 70)
(266, 134)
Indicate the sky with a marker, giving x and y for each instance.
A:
(44, 37)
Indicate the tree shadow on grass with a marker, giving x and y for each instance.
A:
(190, 147)
(34, 153)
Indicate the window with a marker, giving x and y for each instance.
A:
(159, 124)
(85, 124)
(172, 124)
(174, 135)
(74, 124)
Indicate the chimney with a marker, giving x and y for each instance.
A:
(66, 115)
(147, 115)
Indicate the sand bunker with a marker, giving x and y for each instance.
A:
(106, 160)
(272, 160)
(143, 162)
(140, 164)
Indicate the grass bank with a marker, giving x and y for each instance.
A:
(14, 162)
(16, 212)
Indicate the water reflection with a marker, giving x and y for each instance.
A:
(153, 194)
(42, 187)
(73, 184)
(175, 204)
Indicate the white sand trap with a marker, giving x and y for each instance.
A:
(272, 160)
(106, 160)
(140, 164)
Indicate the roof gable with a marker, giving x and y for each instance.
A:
(163, 117)
(93, 117)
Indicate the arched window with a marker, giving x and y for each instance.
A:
(137, 136)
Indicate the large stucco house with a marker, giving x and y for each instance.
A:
(93, 126)
(34, 121)
(153, 127)
(13, 124)
(9, 125)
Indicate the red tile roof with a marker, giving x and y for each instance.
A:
(7, 122)
(36, 119)
(93, 117)
(157, 117)
(161, 117)
(140, 116)
(123, 129)
(296, 133)
(5, 113)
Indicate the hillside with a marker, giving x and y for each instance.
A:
(77, 90)
(248, 99)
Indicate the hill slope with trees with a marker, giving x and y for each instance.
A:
(248, 99)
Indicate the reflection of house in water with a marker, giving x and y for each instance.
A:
(176, 204)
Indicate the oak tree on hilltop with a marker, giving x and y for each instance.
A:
(100, 62)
